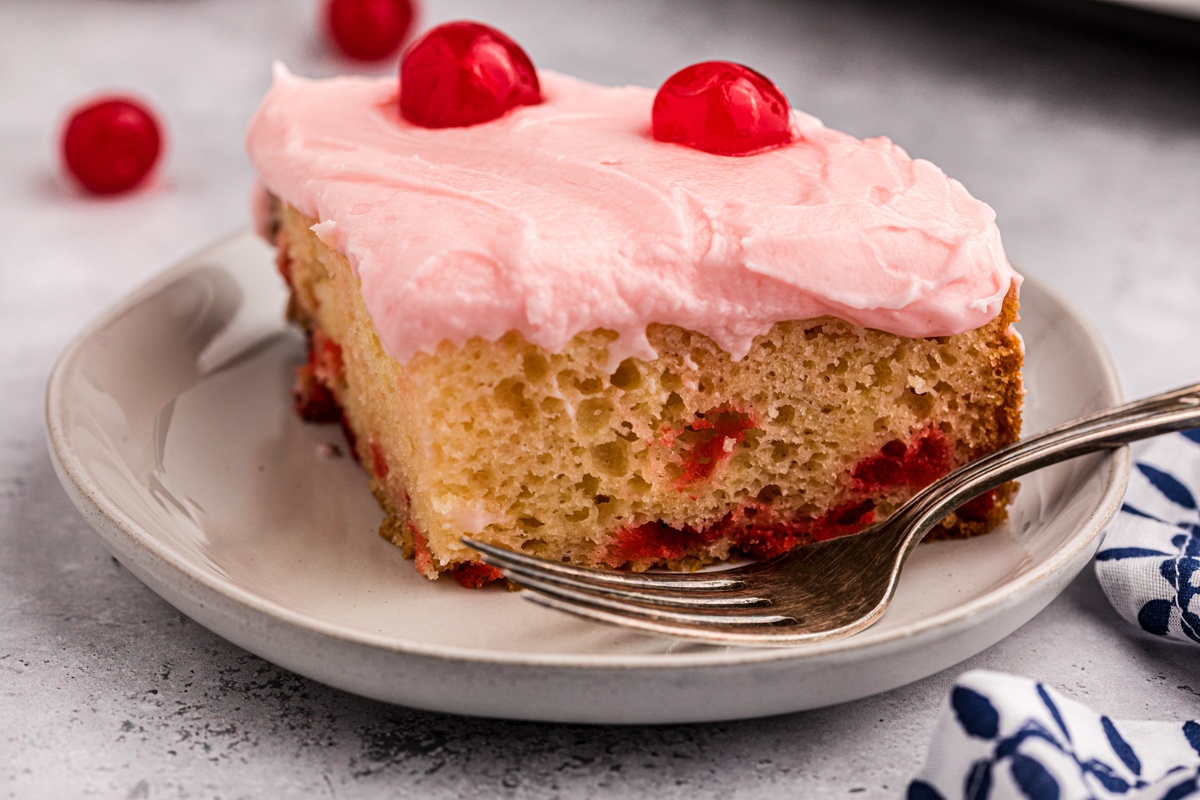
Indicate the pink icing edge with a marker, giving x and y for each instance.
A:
(334, 148)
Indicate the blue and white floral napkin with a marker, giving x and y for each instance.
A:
(1151, 549)
(1002, 736)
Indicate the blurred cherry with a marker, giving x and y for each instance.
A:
(111, 144)
(464, 73)
(369, 30)
(722, 108)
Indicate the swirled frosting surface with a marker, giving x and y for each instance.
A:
(568, 216)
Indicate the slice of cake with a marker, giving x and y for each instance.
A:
(554, 333)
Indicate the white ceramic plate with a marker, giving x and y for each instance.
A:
(171, 427)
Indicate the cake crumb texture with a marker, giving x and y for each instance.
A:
(680, 461)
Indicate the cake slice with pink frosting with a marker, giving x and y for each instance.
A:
(554, 332)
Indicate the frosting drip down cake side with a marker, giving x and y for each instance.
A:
(555, 334)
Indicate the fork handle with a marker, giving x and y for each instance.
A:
(1169, 412)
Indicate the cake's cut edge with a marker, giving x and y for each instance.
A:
(386, 411)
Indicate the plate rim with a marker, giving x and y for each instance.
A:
(69, 466)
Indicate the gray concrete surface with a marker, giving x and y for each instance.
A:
(1089, 149)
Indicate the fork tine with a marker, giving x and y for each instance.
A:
(504, 559)
(655, 596)
(726, 636)
(627, 609)
(775, 636)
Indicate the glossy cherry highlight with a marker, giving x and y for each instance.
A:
(464, 73)
(723, 108)
(368, 30)
(111, 144)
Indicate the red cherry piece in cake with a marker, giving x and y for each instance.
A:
(111, 144)
(928, 457)
(464, 73)
(723, 108)
(368, 30)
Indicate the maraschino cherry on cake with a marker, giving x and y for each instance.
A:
(629, 329)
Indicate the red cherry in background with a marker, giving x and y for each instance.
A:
(722, 108)
(464, 73)
(111, 144)
(368, 30)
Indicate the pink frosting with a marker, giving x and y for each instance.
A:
(568, 216)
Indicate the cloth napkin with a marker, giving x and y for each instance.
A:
(1002, 736)
(1152, 548)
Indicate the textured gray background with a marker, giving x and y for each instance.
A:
(1088, 148)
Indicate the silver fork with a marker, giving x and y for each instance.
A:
(829, 589)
